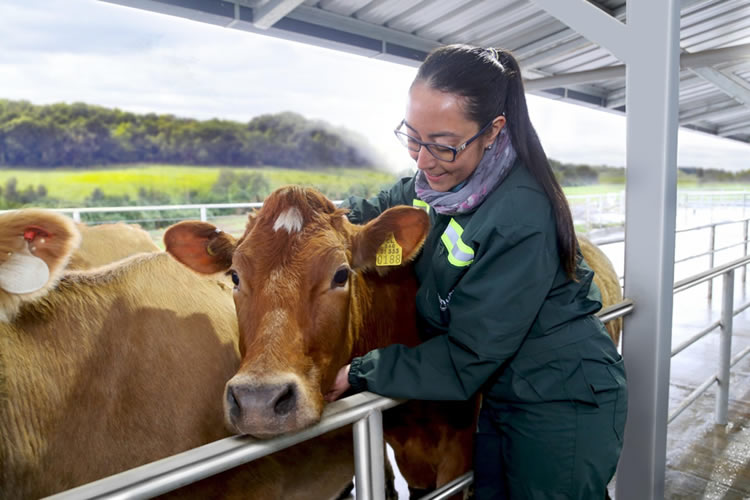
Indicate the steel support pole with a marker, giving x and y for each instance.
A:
(377, 454)
(362, 468)
(369, 469)
(711, 248)
(651, 195)
(725, 348)
(744, 268)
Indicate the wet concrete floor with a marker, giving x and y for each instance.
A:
(706, 460)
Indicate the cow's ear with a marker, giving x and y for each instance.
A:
(200, 246)
(373, 244)
(35, 246)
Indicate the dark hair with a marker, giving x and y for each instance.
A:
(490, 81)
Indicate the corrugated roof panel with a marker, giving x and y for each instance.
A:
(730, 34)
(707, 13)
(343, 7)
(382, 11)
(609, 5)
(466, 15)
(546, 37)
(423, 15)
(486, 26)
(590, 57)
(700, 95)
(529, 21)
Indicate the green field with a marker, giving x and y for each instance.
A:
(181, 183)
(74, 185)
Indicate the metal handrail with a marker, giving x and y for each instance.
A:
(711, 252)
(184, 468)
(696, 279)
(193, 465)
(616, 311)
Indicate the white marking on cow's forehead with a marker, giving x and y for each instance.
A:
(275, 320)
(290, 219)
(278, 281)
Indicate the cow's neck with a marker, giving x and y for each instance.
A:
(383, 310)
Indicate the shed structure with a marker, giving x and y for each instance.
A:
(663, 64)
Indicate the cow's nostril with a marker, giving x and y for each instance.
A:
(232, 404)
(286, 400)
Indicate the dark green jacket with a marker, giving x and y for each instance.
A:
(506, 319)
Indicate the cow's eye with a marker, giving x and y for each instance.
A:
(339, 279)
(235, 277)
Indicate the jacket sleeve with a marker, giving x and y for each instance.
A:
(492, 310)
(362, 210)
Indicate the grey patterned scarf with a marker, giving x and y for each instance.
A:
(490, 172)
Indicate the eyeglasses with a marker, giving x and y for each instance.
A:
(442, 152)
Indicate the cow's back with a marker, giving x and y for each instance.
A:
(106, 243)
(605, 277)
(126, 366)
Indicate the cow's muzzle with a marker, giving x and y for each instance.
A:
(263, 409)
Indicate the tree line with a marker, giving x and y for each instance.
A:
(80, 135)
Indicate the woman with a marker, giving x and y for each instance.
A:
(506, 303)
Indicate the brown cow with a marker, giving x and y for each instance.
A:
(606, 279)
(106, 243)
(106, 370)
(309, 297)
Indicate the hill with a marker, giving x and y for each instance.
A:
(80, 135)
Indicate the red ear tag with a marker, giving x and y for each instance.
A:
(34, 231)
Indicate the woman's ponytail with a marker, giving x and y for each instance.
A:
(528, 147)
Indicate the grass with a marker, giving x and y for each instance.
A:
(75, 185)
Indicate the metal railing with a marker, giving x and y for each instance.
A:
(201, 209)
(725, 347)
(711, 253)
(725, 323)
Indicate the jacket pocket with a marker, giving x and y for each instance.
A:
(617, 370)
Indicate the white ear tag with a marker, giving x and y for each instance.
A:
(23, 273)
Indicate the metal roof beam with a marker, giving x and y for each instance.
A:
(268, 14)
(346, 23)
(692, 61)
(711, 112)
(566, 79)
(733, 87)
(733, 129)
(590, 21)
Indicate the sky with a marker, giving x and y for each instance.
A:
(113, 56)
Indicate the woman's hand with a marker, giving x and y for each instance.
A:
(340, 385)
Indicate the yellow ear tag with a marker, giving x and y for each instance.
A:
(389, 253)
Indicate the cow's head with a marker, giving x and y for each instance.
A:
(35, 246)
(296, 271)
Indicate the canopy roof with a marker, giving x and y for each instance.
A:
(556, 61)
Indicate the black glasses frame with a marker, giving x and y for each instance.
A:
(405, 139)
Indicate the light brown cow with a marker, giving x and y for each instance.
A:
(106, 243)
(103, 371)
(309, 297)
(606, 279)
